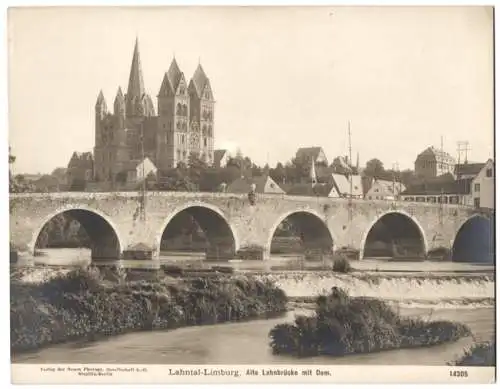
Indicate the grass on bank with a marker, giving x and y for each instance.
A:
(79, 304)
(345, 325)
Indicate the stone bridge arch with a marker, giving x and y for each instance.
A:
(105, 236)
(391, 218)
(223, 241)
(474, 240)
(315, 232)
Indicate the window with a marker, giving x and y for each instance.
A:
(489, 172)
(205, 142)
(477, 202)
(477, 187)
(376, 190)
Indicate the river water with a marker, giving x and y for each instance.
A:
(470, 301)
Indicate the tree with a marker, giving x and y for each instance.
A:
(278, 174)
(374, 168)
(196, 167)
(341, 165)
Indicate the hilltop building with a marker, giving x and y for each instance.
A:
(433, 163)
(183, 123)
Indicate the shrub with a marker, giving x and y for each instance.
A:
(341, 265)
(344, 325)
(81, 305)
(480, 354)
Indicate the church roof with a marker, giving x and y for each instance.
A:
(199, 79)
(135, 81)
(174, 74)
(100, 99)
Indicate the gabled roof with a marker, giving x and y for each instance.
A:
(343, 184)
(321, 190)
(434, 152)
(308, 152)
(388, 186)
(469, 169)
(218, 155)
(263, 184)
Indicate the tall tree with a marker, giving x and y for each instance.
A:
(374, 168)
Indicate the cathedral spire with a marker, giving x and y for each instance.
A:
(135, 81)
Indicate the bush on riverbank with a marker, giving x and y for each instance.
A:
(345, 325)
(341, 265)
(80, 304)
(481, 354)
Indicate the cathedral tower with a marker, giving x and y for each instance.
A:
(202, 113)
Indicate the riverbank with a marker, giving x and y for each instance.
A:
(81, 304)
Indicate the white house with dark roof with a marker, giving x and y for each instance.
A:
(343, 185)
(483, 186)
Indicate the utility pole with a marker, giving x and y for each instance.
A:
(462, 146)
(143, 187)
(350, 171)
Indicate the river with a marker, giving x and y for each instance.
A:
(467, 299)
(247, 343)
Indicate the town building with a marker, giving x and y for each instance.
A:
(221, 158)
(260, 184)
(474, 187)
(433, 162)
(308, 154)
(483, 186)
(384, 190)
(344, 187)
(320, 190)
(80, 170)
(133, 131)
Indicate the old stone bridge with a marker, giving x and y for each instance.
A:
(119, 223)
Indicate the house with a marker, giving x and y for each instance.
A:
(468, 170)
(483, 186)
(433, 162)
(263, 184)
(221, 158)
(444, 191)
(320, 190)
(343, 185)
(80, 170)
(137, 170)
(316, 154)
(384, 190)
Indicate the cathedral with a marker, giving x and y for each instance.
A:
(133, 131)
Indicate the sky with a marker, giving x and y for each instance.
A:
(283, 77)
